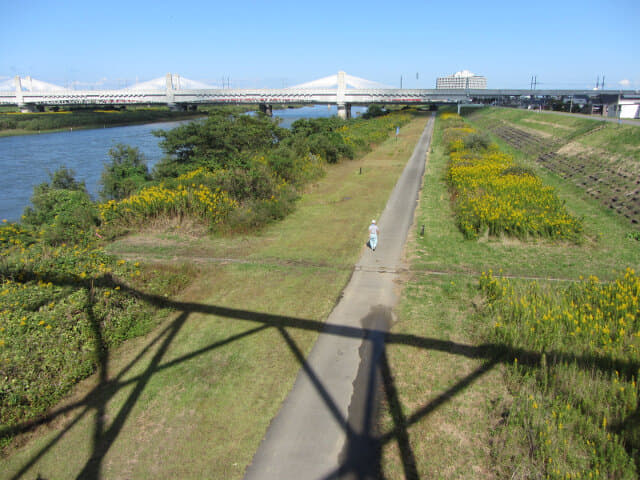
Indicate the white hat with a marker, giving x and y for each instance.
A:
(373, 221)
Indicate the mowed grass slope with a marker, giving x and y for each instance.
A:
(194, 398)
(600, 158)
(605, 136)
(454, 399)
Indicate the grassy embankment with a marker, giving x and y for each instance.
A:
(194, 398)
(465, 409)
(17, 123)
(603, 159)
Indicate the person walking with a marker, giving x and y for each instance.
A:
(373, 235)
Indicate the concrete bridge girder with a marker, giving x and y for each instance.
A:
(174, 96)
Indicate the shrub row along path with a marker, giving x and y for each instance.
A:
(325, 427)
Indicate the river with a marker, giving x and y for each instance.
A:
(26, 161)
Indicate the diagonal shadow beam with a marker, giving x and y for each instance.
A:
(492, 353)
(317, 384)
(27, 466)
(440, 400)
(101, 389)
(99, 396)
(601, 362)
(409, 463)
(103, 439)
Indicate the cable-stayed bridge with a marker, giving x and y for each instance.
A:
(342, 90)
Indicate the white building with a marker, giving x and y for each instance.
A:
(464, 79)
(625, 108)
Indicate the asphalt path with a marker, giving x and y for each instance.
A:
(326, 426)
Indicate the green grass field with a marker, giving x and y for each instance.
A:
(454, 397)
(194, 398)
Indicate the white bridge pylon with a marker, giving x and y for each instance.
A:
(181, 93)
(172, 81)
(28, 84)
(177, 82)
(333, 81)
(340, 82)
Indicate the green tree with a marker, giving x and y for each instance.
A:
(224, 140)
(62, 209)
(374, 111)
(125, 174)
(319, 136)
(63, 179)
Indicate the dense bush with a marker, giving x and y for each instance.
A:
(62, 209)
(330, 146)
(374, 111)
(320, 137)
(125, 174)
(476, 142)
(240, 172)
(224, 140)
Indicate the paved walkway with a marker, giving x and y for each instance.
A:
(324, 428)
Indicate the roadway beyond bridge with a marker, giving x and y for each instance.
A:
(342, 90)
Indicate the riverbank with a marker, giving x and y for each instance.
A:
(16, 124)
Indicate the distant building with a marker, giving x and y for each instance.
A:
(628, 107)
(464, 79)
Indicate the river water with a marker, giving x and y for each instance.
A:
(26, 161)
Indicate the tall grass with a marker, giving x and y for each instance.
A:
(494, 195)
(576, 355)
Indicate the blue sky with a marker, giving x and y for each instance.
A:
(567, 44)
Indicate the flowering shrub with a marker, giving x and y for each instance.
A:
(61, 309)
(253, 189)
(198, 201)
(12, 234)
(575, 369)
(360, 134)
(493, 195)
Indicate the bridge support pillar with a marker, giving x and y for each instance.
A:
(266, 109)
(344, 111)
(30, 108)
(177, 107)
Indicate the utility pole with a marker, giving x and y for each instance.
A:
(619, 109)
(400, 81)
